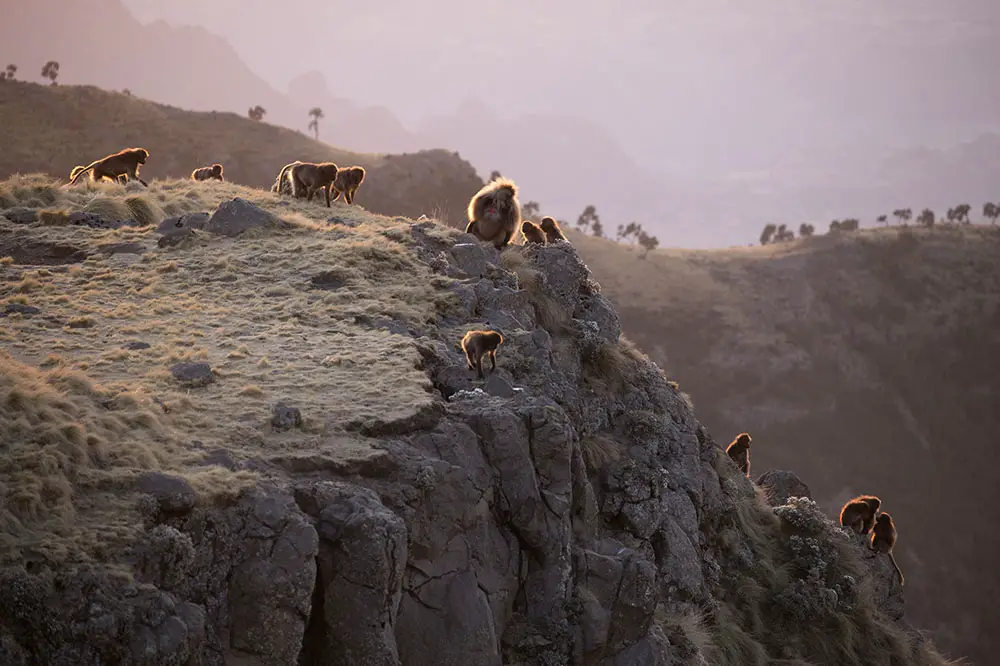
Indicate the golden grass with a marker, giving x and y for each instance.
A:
(246, 306)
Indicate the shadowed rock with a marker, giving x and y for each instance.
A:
(237, 216)
(193, 375)
(779, 485)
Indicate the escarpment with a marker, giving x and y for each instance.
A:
(566, 509)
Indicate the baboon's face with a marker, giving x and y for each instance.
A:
(142, 156)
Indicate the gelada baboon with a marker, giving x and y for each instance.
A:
(884, 539)
(532, 233)
(347, 183)
(859, 513)
(477, 344)
(308, 178)
(551, 229)
(494, 212)
(213, 172)
(281, 184)
(123, 163)
(739, 451)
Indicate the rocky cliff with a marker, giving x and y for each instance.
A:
(570, 509)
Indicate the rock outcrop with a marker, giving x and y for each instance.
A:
(569, 510)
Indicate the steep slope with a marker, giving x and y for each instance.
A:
(256, 441)
(62, 126)
(867, 363)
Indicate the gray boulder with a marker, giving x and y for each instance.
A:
(238, 215)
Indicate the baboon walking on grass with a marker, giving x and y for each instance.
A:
(123, 163)
(348, 181)
(213, 172)
(308, 178)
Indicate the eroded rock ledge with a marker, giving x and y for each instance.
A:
(574, 512)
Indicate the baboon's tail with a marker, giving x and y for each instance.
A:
(896, 566)
(77, 169)
(83, 170)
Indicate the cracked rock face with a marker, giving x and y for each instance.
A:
(542, 517)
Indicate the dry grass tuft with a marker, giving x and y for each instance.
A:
(610, 365)
(144, 210)
(550, 313)
(599, 450)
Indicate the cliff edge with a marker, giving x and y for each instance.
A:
(245, 434)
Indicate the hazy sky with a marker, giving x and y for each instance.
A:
(693, 86)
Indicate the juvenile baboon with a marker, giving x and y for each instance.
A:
(859, 513)
(213, 172)
(280, 182)
(884, 539)
(123, 163)
(551, 229)
(494, 212)
(532, 233)
(476, 344)
(348, 181)
(308, 178)
(739, 451)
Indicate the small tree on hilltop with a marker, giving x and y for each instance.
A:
(902, 214)
(597, 228)
(530, 209)
(256, 113)
(926, 218)
(962, 213)
(627, 232)
(850, 224)
(587, 218)
(11, 72)
(835, 226)
(51, 71)
(806, 230)
(316, 113)
(647, 242)
(127, 92)
(991, 211)
(767, 234)
(494, 175)
(882, 219)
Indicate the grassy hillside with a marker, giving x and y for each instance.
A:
(54, 128)
(867, 363)
(85, 412)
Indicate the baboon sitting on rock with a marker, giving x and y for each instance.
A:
(494, 212)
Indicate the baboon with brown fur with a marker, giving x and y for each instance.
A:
(347, 183)
(739, 451)
(477, 344)
(551, 229)
(123, 163)
(859, 513)
(532, 233)
(213, 172)
(494, 212)
(308, 178)
(884, 540)
(279, 182)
